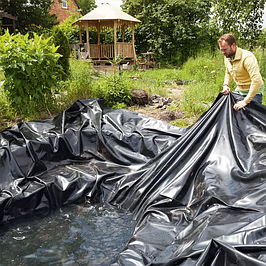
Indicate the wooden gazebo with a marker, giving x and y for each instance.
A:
(102, 17)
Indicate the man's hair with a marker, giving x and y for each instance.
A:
(229, 38)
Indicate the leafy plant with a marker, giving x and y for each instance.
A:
(70, 31)
(30, 68)
(59, 39)
(116, 89)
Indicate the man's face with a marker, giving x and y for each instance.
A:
(226, 49)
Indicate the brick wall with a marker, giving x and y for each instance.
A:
(63, 13)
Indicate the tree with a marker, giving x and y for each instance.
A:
(241, 17)
(86, 6)
(33, 15)
(173, 29)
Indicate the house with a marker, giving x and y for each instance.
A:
(64, 9)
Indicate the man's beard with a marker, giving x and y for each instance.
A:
(231, 53)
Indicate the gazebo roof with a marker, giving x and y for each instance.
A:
(106, 14)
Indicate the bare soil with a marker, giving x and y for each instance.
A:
(164, 114)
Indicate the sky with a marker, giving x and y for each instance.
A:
(264, 18)
(117, 4)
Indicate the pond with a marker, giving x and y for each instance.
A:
(74, 235)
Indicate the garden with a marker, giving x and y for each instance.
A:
(89, 177)
(201, 79)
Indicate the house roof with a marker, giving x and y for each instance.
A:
(106, 14)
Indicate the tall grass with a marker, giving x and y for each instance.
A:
(206, 73)
(79, 85)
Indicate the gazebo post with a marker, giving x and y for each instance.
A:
(80, 40)
(88, 39)
(123, 33)
(80, 35)
(133, 42)
(99, 40)
(115, 38)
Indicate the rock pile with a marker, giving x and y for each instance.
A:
(141, 97)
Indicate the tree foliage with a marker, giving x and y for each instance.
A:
(170, 28)
(177, 29)
(86, 6)
(70, 31)
(33, 15)
(241, 17)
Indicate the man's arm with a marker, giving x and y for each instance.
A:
(227, 79)
(252, 67)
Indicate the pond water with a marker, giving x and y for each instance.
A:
(73, 235)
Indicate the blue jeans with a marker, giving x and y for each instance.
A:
(258, 98)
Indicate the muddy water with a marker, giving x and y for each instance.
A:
(74, 235)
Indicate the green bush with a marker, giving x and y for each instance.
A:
(30, 69)
(59, 39)
(115, 88)
(70, 31)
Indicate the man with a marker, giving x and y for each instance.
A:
(241, 65)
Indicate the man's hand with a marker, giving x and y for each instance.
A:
(226, 89)
(240, 104)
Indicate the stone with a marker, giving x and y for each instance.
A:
(139, 97)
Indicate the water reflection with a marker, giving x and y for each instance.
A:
(74, 235)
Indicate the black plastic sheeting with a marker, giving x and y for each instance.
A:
(198, 195)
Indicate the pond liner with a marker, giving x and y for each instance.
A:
(198, 195)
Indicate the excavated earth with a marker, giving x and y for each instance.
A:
(161, 108)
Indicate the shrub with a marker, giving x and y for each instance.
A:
(116, 90)
(70, 31)
(30, 68)
(59, 39)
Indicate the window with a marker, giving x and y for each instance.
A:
(64, 4)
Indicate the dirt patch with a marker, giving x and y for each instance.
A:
(162, 112)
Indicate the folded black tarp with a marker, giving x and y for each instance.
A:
(198, 195)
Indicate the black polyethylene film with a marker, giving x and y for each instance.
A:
(198, 195)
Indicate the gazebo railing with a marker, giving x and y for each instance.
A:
(93, 51)
(106, 50)
(125, 49)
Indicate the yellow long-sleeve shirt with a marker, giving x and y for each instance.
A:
(244, 69)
